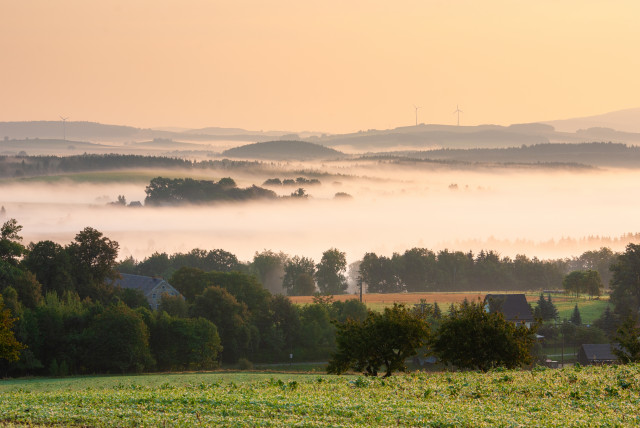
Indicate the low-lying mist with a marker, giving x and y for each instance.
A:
(535, 212)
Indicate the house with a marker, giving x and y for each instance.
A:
(597, 354)
(153, 288)
(514, 307)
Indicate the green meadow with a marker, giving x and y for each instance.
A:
(593, 396)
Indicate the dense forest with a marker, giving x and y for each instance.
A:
(69, 317)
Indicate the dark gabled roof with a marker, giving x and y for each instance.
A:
(599, 352)
(138, 282)
(514, 307)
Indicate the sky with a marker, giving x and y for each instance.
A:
(330, 66)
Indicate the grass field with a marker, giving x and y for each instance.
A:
(594, 396)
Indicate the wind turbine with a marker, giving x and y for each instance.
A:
(416, 107)
(64, 127)
(458, 111)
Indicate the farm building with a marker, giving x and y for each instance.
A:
(597, 354)
(514, 307)
(152, 288)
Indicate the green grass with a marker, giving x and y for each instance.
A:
(590, 310)
(594, 396)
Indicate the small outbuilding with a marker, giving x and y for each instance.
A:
(153, 288)
(514, 307)
(597, 354)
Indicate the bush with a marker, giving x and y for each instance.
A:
(244, 364)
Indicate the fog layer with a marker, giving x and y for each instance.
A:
(526, 211)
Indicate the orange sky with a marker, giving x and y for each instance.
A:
(334, 66)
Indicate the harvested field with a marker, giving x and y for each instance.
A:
(407, 298)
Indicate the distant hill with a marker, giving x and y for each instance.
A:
(37, 146)
(282, 150)
(429, 136)
(622, 120)
(72, 130)
(595, 154)
(92, 131)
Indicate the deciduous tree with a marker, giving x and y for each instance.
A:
(625, 284)
(330, 272)
(471, 338)
(628, 336)
(298, 276)
(9, 347)
(382, 339)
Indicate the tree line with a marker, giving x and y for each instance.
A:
(61, 313)
(415, 270)
(21, 166)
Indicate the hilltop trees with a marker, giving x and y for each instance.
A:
(180, 191)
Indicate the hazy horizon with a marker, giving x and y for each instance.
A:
(331, 67)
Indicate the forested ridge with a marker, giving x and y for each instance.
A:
(24, 166)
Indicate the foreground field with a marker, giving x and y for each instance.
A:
(595, 396)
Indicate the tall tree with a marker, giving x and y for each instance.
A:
(9, 347)
(628, 336)
(545, 309)
(298, 276)
(416, 269)
(598, 260)
(379, 273)
(268, 266)
(625, 284)
(93, 260)
(330, 272)
(576, 318)
(51, 265)
(11, 250)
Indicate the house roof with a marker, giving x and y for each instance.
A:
(514, 307)
(138, 282)
(599, 352)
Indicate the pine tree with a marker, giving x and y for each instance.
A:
(552, 311)
(437, 312)
(576, 319)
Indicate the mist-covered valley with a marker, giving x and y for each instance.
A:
(533, 210)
